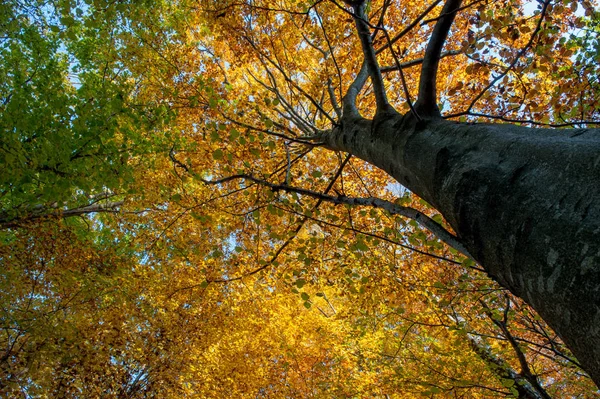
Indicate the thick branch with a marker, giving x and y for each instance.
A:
(364, 34)
(349, 101)
(426, 103)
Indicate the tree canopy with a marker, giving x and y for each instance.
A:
(189, 206)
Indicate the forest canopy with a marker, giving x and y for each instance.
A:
(191, 203)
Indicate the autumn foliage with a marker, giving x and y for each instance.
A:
(171, 226)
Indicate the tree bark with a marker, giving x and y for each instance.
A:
(524, 202)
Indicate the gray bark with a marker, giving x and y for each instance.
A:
(524, 202)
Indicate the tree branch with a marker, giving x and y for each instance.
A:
(262, 57)
(53, 211)
(409, 27)
(427, 102)
(402, 78)
(349, 100)
(574, 124)
(525, 369)
(337, 67)
(502, 369)
(364, 34)
(427, 21)
(425, 221)
(294, 234)
(411, 63)
(382, 238)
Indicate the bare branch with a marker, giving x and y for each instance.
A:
(525, 121)
(334, 103)
(292, 116)
(337, 67)
(382, 238)
(287, 78)
(302, 140)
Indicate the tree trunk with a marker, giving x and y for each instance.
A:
(525, 203)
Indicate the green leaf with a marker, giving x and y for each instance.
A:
(300, 283)
(305, 296)
(307, 305)
(255, 152)
(218, 154)
(361, 246)
(508, 383)
(67, 20)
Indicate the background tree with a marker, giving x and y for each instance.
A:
(239, 254)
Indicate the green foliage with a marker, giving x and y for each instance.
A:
(72, 120)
